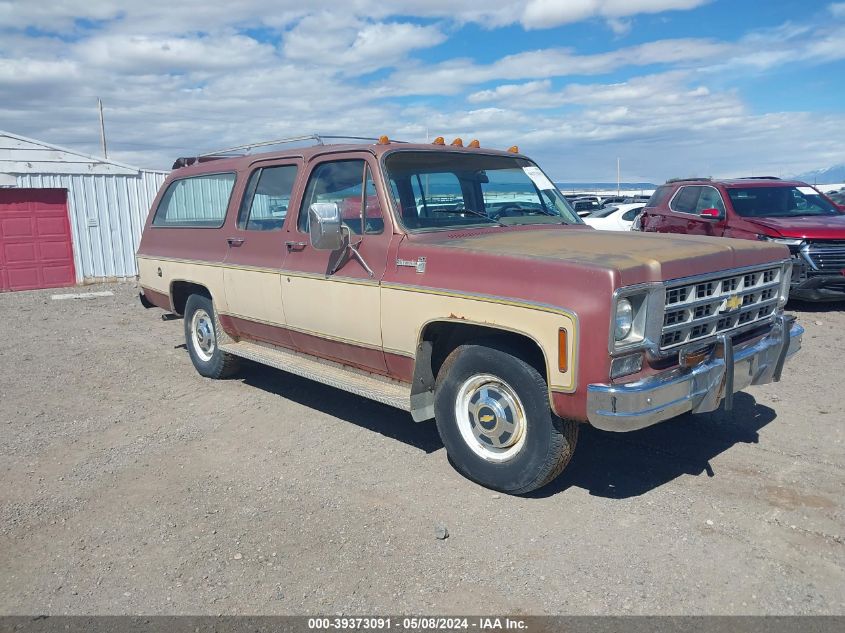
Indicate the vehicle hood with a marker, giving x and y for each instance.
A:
(827, 227)
(636, 257)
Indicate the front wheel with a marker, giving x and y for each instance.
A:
(493, 414)
(202, 341)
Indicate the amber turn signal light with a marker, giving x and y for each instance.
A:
(439, 141)
(562, 341)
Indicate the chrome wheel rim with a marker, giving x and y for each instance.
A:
(490, 417)
(202, 335)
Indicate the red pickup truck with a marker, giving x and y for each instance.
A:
(769, 209)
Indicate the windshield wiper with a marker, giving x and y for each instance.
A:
(545, 212)
(539, 210)
(473, 212)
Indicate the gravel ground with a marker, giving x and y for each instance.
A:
(132, 485)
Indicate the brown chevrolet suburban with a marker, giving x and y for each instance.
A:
(458, 284)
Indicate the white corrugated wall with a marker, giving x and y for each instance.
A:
(107, 214)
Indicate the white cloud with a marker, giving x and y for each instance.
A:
(453, 76)
(548, 13)
(178, 78)
(165, 16)
(142, 54)
(354, 45)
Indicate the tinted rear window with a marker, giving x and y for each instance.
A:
(199, 201)
(660, 195)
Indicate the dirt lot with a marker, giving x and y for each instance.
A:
(132, 485)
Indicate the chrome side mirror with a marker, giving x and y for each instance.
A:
(325, 226)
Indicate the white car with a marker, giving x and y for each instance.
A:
(619, 217)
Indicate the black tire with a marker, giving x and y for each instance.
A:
(548, 444)
(211, 362)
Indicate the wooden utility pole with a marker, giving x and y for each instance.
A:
(102, 128)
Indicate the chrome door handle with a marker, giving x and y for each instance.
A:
(235, 241)
(295, 246)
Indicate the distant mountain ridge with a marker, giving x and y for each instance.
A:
(604, 186)
(826, 176)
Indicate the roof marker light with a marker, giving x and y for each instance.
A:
(383, 140)
(458, 142)
(474, 143)
(438, 141)
(513, 149)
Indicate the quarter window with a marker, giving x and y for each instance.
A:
(349, 184)
(266, 199)
(199, 201)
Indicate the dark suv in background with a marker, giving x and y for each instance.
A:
(763, 208)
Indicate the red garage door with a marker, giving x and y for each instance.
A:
(36, 250)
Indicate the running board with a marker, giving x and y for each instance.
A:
(378, 388)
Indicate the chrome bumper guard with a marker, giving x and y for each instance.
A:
(635, 405)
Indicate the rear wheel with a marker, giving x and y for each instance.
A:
(493, 414)
(202, 341)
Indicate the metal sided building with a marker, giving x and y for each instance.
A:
(68, 218)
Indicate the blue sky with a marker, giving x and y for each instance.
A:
(671, 87)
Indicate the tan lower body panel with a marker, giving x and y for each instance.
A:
(389, 392)
(339, 308)
(406, 312)
(258, 294)
(204, 274)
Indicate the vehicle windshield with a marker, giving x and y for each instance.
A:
(446, 190)
(779, 202)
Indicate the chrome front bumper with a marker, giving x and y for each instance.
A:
(635, 405)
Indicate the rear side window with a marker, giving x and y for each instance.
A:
(267, 197)
(199, 201)
(629, 215)
(660, 196)
(685, 200)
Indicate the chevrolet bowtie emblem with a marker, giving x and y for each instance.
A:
(486, 418)
(733, 302)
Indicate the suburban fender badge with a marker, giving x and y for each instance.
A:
(418, 263)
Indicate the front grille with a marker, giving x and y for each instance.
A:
(827, 256)
(702, 308)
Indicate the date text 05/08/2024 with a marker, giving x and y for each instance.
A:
(429, 623)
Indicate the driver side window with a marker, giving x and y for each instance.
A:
(710, 199)
(349, 184)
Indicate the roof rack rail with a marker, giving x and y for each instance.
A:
(185, 161)
(317, 138)
(759, 178)
(671, 180)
